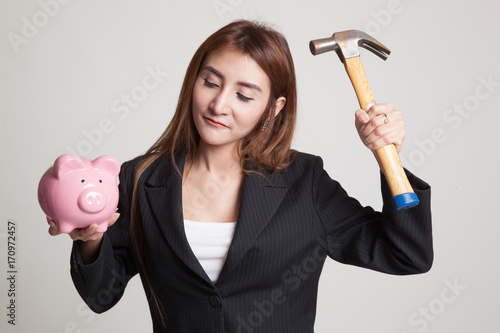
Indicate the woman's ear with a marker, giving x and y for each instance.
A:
(280, 103)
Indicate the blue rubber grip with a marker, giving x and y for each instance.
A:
(405, 200)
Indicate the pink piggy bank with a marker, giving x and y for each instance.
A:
(77, 192)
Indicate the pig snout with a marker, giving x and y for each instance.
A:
(92, 202)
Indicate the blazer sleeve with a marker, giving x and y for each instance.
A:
(391, 241)
(101, 284)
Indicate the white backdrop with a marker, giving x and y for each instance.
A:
(72, 80)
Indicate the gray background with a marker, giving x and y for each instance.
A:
(63, 79)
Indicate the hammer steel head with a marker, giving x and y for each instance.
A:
(347, 43)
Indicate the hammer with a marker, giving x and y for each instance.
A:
(346, 44)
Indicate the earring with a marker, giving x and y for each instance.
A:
(265, 124)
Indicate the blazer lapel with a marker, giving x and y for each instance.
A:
(164, 193)
(260, 198)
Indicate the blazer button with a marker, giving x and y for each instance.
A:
(215, 301)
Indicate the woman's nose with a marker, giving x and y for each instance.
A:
(221, 104)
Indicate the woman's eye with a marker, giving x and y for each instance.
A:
(243, 97)
(210, 84)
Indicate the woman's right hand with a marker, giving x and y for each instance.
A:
(83, 234)
(89, 240)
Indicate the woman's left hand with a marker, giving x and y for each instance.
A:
(380, 126)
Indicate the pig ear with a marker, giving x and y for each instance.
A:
(107, 163)
(66, 163)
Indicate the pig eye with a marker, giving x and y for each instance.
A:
(100, 180)
(83, 181)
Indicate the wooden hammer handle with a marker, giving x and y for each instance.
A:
(403, 195)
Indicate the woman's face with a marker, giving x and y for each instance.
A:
(230, 95)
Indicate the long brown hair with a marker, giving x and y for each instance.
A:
(266, 147)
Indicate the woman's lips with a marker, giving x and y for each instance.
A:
(214, 123)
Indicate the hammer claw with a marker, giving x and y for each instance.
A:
(347, 44)
(381, 52)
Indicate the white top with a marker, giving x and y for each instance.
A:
(210, 243)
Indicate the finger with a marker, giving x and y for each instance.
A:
(377, 121)
(361, 117)
(384, 112)
(381, 108)
(374, 123)
(387, 140)
(378, 133)
(53, 230)
(360, 120)
(384, 135)
(396, 129)
(113, 219)
(83, 234)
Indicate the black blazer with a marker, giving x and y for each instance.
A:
(289, 221)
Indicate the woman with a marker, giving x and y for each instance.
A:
(226, 225)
